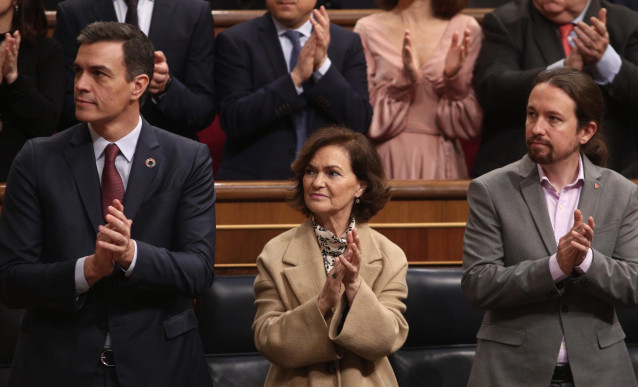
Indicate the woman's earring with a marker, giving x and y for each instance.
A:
(357, 201)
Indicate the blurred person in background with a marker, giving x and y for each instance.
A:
(31, 78)
(420, 56)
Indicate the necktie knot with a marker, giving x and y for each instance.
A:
(110, 153)
(565, 31)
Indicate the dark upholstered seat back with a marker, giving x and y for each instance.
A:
(226, 314)
(440, 346)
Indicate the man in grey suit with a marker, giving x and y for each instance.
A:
(551, 248)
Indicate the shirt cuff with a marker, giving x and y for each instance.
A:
(606, 69)
(560, 63)
(321, 71)
(584, 266)
(554, 269)
(81, 286)
(128, 272)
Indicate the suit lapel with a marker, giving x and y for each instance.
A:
(162, 14)
(371, 261)
(545, 34)
(270, 43)
(303, 264)
(103, 10)
(536, 204)
(81, 159)
(147, 161)
(592, 189)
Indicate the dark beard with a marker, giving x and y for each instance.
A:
(535, 155)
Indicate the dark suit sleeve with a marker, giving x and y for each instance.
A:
(38, 102)
(342, 93)
(189, 98)
(500, 82)
(614, 279)
(245, 111)
(624, 89)
(66, 32)
(187, 268)
(27, 278)
(487, 283)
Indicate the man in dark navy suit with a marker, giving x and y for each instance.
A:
(107, 232)
(279, 78)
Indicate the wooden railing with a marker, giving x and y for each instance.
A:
(343, 17)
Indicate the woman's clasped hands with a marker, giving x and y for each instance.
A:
(346, 272)
(9, 57)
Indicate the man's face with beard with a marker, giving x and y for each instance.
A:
(551, 127)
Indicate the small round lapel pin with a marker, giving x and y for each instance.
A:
(150, 162)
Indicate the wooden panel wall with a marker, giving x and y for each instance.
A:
(425, 218)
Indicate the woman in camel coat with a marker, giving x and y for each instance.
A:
(330, 309)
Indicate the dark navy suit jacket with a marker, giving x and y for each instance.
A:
(51, 211)
(256, 97)
(184, 31)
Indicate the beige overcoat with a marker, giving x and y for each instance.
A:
(349, 349)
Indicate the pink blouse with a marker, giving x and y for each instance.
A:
(416, 126)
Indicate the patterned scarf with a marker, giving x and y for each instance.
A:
(331, 247)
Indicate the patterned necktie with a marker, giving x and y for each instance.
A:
(298, 118)
(565, 30)
(131, 13)
(112, 186)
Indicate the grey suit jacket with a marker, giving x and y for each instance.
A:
(508, 242)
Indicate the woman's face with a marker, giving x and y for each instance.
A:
(330, 186)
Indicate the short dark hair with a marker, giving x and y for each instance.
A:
(29, 18)
(365, 164)
(443, 9)
(590, 106)
(139, 57)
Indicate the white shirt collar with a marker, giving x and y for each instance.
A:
(581, 173)
(305, 29)
(126, 144)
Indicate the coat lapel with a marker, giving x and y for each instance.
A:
(303, 264)
(270, 43)
(147, 161)
(162, 14)
(81, 159)
(592, 189)
(371, 260)
(545, 34)
(536, 204)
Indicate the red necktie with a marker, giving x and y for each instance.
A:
(112, 186)
(565, 30)
(131, 13)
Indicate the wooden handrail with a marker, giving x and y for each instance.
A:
(343, 17)
(399, 189)
(279, 190)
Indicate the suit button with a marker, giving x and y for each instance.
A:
(565, 308)
(331, 368)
